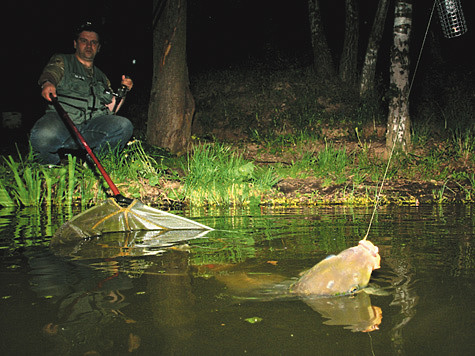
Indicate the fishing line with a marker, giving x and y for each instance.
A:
(378, 193)
(371, 344)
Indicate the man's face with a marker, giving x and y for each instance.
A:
(87, 46)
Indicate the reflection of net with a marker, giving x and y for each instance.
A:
(451, 18)
(109, 216)
(122, 244)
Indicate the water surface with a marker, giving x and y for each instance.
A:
(225, 293)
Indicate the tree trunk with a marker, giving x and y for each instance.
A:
(322, 59)
(398, 132)
(349, 57)
(368, 73)
(171, 104)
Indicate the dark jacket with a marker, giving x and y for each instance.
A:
(82, 92)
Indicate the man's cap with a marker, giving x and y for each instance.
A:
(88, 26)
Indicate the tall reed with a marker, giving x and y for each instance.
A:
(71, 179)
(5, 199)
(27, 183)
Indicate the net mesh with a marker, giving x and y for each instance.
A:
(108, 217)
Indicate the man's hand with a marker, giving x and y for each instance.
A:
(111, 105)
(46, 89)
(127, 82)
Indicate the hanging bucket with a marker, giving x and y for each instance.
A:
(451, 18)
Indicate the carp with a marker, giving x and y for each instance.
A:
(343, 274)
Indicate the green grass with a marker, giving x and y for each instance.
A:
(215, 175)
(26, 182)
(309, 125)
(218, 176)
(5, 199)
(132, 162)
(333, 164)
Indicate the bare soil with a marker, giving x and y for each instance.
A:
(313, 190)
(231, 106)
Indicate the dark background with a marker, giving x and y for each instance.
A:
(221, 34)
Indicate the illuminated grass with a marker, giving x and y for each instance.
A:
(219, 176)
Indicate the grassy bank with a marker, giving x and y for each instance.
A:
(277, 137)
(301, 172)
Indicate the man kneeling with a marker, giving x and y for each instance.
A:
(84, 91)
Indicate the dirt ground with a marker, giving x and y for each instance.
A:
(312, 190)
(232, 105)
(396, 191)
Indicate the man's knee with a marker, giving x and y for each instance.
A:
(44, 136)
(125, 127)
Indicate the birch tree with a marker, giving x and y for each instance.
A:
(171, 106)
(398, 128)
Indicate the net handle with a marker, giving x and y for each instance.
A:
(64, 115)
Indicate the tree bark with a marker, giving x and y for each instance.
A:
(368, 72)
(398, 129)
(322, 59)
(349, 58)
(171, 106)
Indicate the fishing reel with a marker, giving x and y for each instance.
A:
(120, 93)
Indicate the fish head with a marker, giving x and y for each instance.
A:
(374, 252)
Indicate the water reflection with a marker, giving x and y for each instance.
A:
(89, 303)
(193, 297)
(353, 312)
(251, 282)
(404, 295)
(89, 291)
(90, 298)
(173, 303)
(122, 244)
